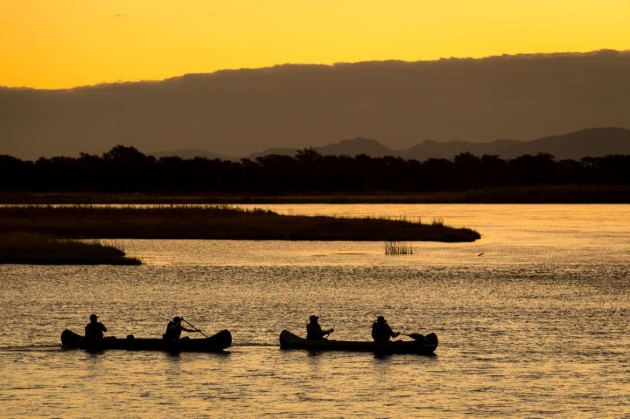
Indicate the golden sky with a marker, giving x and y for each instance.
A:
(66, 43)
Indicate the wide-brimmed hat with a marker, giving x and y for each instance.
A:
(381, 319)
(313, 317)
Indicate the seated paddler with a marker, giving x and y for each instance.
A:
(94, 330)
(381, 332)
(314, 330)
(174, 329)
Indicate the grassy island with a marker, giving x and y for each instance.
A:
(217, 222)
(37, 249)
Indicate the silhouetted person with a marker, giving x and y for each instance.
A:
(314, 330)
(174, 329)
(94, 329)
(381, 332)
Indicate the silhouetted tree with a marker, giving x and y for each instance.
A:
(127, 170)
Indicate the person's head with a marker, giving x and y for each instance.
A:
(381, 319)
(177, 320)
(313, 318)
(93, 318)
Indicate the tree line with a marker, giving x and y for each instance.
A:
(127, 170)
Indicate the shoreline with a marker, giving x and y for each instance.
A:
(562, 194)
(217, 222)
(27, 248)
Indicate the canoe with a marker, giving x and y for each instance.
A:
(215, 343)
(423, 346)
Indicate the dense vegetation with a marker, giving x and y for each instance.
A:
(126, 170)
(37, 249)
(215, 222)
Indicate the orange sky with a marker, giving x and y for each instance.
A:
(66, 43)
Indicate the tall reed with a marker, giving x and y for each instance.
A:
(398, 248)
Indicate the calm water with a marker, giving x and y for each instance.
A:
(536, 326)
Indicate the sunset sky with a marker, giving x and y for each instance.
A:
(66, 43)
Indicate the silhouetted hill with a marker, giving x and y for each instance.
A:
(191, 154)
(279, 151)
(239, 112)
(447, 150)
(355, 147)
(592, 142)
(352, 147)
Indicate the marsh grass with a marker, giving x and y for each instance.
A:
(218, 222)
(398, 248)
(38, 249)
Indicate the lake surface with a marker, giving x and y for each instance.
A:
(533, 321)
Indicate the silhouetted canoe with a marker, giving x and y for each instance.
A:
(215, 343)
(423, 346)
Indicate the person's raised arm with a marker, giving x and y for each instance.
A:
(392, 333)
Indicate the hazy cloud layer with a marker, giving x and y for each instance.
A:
(398, 103)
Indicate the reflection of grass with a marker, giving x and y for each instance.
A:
(398, 248)
(37, 249)
(216, 222)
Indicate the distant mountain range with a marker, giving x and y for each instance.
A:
(593, 142)
(191, 154)
(453, 101)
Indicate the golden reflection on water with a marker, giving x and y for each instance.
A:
(535, 327)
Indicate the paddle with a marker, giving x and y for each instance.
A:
(329, 333)
(194, 328)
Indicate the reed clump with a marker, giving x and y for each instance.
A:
(398, 248)
(217, 222)
(38, 249)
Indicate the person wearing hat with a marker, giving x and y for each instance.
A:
(175, 328)
(314, 330)
(381, 332)
(94, 329)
